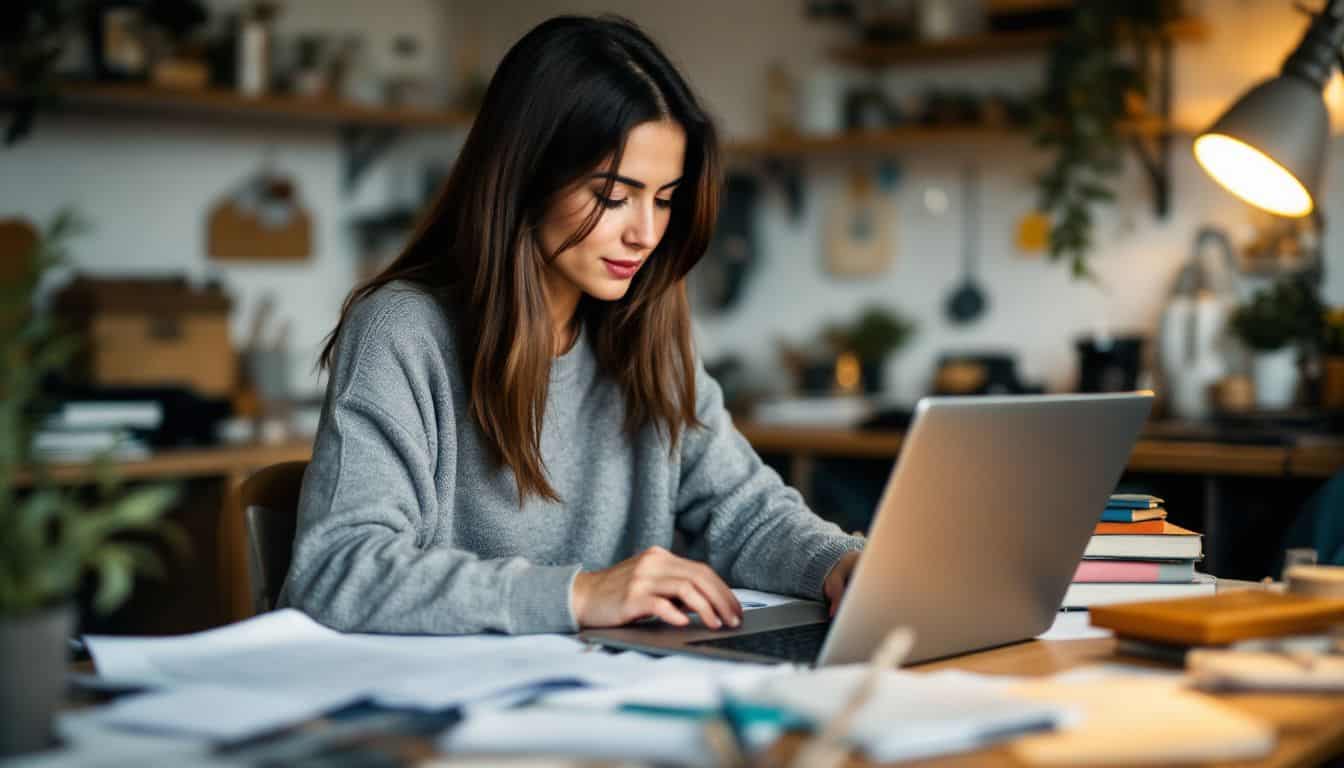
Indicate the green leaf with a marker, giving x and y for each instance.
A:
(116, 576)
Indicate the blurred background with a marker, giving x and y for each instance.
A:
(922, 196)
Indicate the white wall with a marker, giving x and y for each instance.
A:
(147, 184)
(1037, 310)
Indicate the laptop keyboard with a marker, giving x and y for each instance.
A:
(801, 643)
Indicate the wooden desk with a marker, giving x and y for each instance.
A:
(1310, 728)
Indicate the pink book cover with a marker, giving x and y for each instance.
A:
(1132, 571)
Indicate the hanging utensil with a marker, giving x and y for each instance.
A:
(968, 301)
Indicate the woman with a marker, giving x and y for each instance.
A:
(516, 426)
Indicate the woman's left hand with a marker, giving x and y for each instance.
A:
(838, 579)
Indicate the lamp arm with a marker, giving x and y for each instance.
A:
(1314, 58)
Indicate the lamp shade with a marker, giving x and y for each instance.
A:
(1269, 148)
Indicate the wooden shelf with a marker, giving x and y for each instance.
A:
(903, 138)
(1197, 457)
(988, 44)
(365, 131)
(235, 107)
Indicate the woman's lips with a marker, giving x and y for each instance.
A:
(621, 270)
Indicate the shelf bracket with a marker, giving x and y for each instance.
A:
(362, 146)
(1154, 151)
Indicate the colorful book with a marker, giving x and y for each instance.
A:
(1086, 595)
(1146, 526)
(1133, 501)
(1135, 572)
(1131, 515)
(1173, 542)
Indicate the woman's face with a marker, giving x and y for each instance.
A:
(633, 221)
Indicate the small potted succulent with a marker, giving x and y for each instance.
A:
(55, 540)
(1271, 325)
(862, 347)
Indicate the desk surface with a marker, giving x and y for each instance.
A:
(1310, 728)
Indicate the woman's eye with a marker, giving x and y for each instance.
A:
(661, 203)
(607, 202)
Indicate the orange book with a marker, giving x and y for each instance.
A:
(1145, 527)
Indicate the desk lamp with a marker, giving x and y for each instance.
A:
(1269, 148)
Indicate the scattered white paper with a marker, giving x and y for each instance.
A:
(131, 659)
(288, 652)
(913, 715)
(752, 599)
(88, 742)
(675, 681)
(1073, 625)
(582, 734)
(481, 675)
(215, 712)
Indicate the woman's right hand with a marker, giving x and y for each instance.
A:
(654, 583)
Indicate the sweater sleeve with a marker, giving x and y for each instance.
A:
(741, 518)
(371, 501)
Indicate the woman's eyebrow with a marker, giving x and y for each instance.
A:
(632, 182)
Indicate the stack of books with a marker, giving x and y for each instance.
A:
(1135, 554)
(80, 430)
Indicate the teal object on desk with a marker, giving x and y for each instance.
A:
(754, 725)
(1132, 501)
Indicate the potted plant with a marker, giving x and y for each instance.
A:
(53, 537)
(1270, 325)
(862, 347)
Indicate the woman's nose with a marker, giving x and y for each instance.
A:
(642, 231)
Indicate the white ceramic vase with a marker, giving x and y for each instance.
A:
(1275, 374)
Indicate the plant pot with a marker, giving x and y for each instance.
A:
(1275, 374)
(32, 677)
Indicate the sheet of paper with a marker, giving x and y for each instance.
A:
(91, 743)
(488, 674)
(287, 651)
(913, 715)
(1073, 625)
(752, 598)
(582, 734)
(216, 712)
(677, 681)
(131, 658)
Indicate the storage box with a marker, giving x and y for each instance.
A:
(152, 332)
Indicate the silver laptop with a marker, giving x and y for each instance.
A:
(976, 538)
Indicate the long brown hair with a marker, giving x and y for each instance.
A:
(564, 99)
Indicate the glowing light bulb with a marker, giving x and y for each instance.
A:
(1252, 175)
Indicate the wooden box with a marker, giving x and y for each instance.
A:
(148, 332)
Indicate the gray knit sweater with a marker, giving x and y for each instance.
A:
(406, 525)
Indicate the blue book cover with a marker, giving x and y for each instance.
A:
(1133, 501)
(1128, 515)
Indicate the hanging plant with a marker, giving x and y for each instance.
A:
(32, 36)
(1091, 89)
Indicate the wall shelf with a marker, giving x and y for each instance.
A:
(904, 138)
(365, 131)
(989, 44)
